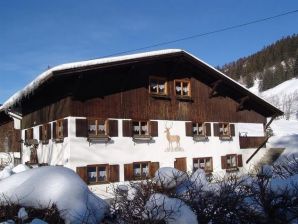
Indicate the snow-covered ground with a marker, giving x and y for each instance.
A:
(42, 186)
(285, 129)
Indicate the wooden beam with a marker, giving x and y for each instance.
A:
(241, 104)
(214, 87)
(247, 161)
(268, 124)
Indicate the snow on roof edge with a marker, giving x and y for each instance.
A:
(49, 73)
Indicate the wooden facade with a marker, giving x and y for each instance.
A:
(10, 138)
(122, 92)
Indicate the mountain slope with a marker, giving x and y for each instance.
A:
(272, 65)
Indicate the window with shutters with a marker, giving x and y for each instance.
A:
(141, 170)
(231, 162)
(140, 128)
(158, 86)
(199, 129)
(97, 127)
(182, 88)
(204, 163)
(45, 133)
(28, 137)
(97, 174)
(224, 130)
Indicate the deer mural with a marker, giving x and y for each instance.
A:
(172, 138)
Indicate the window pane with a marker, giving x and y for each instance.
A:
(178, 88)
(101, 129)
(92, 129)
(91, 173)
(102, 174)
(137, 169)
(153, 86)
(145, 169)
(185, 89)
(195, 128)
(195, 164)
(208, 165)
(162, 87)
(144, 128)
(136, 128)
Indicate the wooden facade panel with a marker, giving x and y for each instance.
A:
(251, 142)
(180, 164)
(9, 138)
(122, 92)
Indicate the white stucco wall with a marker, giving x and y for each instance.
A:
(75, 152)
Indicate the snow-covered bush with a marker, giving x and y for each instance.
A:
(44, 186)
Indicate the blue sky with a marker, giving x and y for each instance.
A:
(37, 34)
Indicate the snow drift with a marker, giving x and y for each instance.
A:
(45, 185)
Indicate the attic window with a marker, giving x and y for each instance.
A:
(158, 86)
(182, 88)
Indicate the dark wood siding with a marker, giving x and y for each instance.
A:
(9, 138)
(122, 92)
(251, 142)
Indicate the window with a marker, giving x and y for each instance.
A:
(203, 163)
(182, 88)
(59, 129)
(231, 161)
(158, 86)
(45, 133)
(199, 129)
(140, 128)
(224, 129)
(97, 173)
(97, 127)
(140, 170)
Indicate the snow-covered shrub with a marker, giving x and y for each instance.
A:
(41, 187)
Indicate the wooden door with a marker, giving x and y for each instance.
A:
(180, 164)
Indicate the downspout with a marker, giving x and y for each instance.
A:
(265, 141)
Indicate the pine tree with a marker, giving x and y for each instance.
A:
(296, 65)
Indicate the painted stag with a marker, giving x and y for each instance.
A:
(172, 138)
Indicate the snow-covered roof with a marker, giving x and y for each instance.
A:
(43, 77)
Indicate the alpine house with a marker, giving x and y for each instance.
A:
(121, 118)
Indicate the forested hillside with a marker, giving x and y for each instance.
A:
(273, 65)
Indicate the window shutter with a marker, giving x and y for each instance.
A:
(40, 132)
(239, 161)
(26, 135)
(216, 129)
(54, 130)
(65, 128)
(188, 128)
(208, 129)
(154, 128)
(128, 172)
(113, 128)
(232, 128)
(48, 131)
(180, 164)
(127, 128)
(81, 128)
(224, 162)
(114, 173)
(82, 172)
(154, 166)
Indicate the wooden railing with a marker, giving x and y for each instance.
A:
(251, 142)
